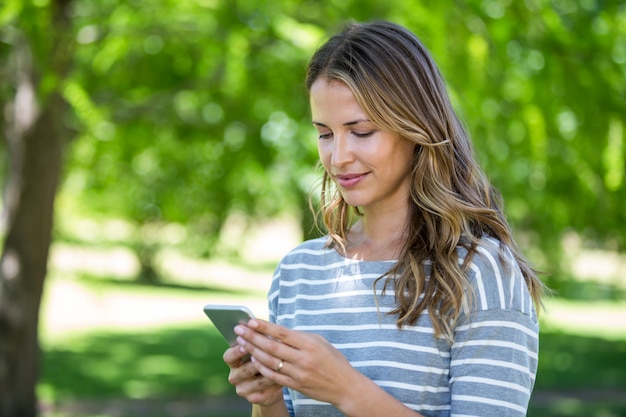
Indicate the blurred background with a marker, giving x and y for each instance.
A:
(174, 139)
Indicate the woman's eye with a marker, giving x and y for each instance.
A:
(364, 135)
(325, 135)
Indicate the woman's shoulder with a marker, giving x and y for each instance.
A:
(488, 253)
(496, 277)
(308, 251)
(314, 246)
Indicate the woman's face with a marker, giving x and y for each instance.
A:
(371, 167)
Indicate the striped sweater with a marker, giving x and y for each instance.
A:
(488, 370)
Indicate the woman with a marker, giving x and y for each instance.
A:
(418, 301)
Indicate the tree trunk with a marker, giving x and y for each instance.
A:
(35, 137)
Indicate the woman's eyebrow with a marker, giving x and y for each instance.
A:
(351, 123)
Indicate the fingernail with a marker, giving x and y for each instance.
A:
(241, 341)
(253, 323)
(239, 330)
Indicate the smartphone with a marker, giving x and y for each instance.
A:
(225, 317)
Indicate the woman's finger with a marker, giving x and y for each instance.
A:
(274, 360)
(276, 332)
(265, 348)
(243, 372)
(235, 356)
(280, 373)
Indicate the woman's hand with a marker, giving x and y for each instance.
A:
(248, 382)
(303, 361)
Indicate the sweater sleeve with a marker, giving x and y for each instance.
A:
(495, 351)
(493, 364)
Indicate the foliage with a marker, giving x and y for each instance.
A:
(541, 87)
(192, 110)
(189, 111)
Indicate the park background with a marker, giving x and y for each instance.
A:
(180, 135)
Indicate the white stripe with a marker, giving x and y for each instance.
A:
(481, 286)
(498, 323)
(492, 362)
(412, 387)
(344, 278)
(499, 403)
(351, 327)
(512, 288)
(497, 274)
(489, 381)
(395, 345)
(344, 310)
(325, 296)
(428, 407)
(335, 265)
(400, 365)
(531, 311)
(514, 267)
(311, 267)
(522, 295)
(498, 343)
(309, 401)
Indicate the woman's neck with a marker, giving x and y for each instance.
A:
(378, 237)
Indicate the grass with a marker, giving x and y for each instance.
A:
(119, 349)
(183, 364)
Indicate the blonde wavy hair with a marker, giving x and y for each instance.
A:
(452, 204)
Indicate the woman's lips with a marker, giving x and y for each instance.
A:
(349, 180)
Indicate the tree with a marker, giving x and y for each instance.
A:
(541, 87)
(35, 137)
(199, 106)
(38, 44)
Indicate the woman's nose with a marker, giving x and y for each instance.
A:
(341, 151)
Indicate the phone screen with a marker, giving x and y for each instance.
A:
(225, 317)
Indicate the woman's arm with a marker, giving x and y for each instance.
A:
(276, 410)
(365, 398)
